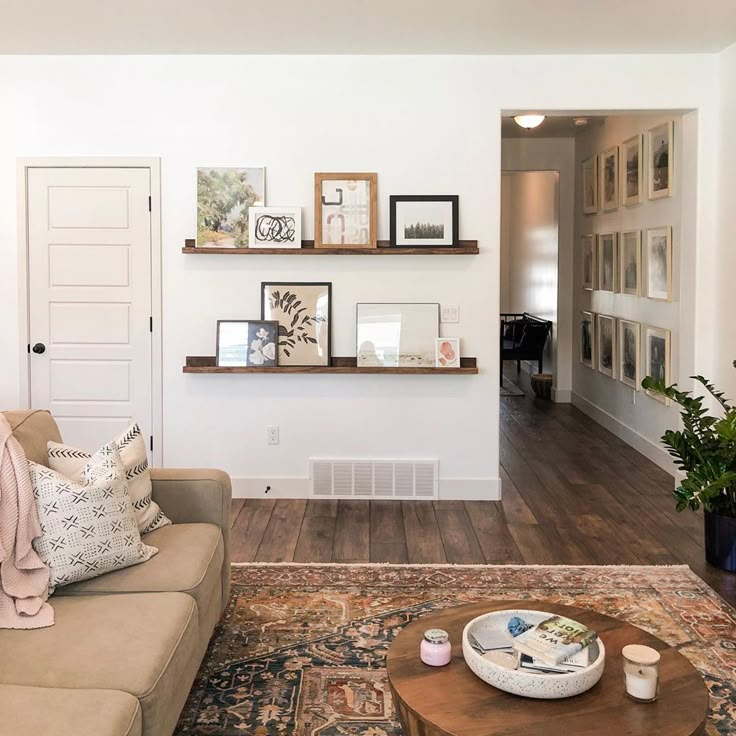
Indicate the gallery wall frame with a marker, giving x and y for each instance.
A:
(424, 221)
(243, 343)
(629, 260)
(589, 181)
(447, 352)
(589, 261)
(587, 339)
(275, 227)
(632, 170)
(606, 345)
(345, 210)
(658, 346)
(629, 353)
(608, 175)
(661, 160)
(658, 264)
(607, 262)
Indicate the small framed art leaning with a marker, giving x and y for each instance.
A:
(275, 227)
(246, 343)
(424, 221)
(345, 210)
(447, 352)
(303, 311)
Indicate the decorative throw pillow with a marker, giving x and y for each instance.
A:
(69, 461)
(87, 528)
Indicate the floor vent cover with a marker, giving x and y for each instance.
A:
(340, 478)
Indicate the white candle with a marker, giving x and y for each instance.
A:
(641, 672)
(641, 684)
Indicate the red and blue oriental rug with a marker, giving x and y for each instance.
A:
(301, 648)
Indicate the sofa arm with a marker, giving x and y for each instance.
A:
(190, 496)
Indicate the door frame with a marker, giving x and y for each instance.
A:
(153, 164)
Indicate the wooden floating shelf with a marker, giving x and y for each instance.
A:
(206, 364)
(466, 248)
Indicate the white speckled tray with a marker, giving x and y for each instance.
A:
(520, 682)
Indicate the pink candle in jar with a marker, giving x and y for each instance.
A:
(435, 649)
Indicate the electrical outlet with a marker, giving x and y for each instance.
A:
(450, 313)
(272, 435)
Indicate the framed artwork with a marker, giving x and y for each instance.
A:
(609, 179)
(590, 185)
(587, 339)
(588, 261)
(393, 335)
(631, 171)
(447, 353)
(607, 259)
(345, 210)
(303, 311)
(224, 199)
(629, 278)
(275, 227)
(629, 341)
(606, 345)
(661, 169)
(658, 262)
(658, 358)
(247, 343)
(424, 221)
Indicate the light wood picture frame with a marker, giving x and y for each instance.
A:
(657, 348)
(588, 261)
(632, 170)
(345, 210)
(606, 345)
(661, 160)
(658, 264)
(608, 176)
(587, 339)
(629, 353)
(629, 262)
(607, 262)
(589, 184)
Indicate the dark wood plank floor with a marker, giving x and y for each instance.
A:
(573, 493)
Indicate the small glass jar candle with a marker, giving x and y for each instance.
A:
(641, 672)
(435, 649)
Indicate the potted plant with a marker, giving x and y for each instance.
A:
(705, 450)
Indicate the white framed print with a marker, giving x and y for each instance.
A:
(588, 261)
(589, 180)
(275, 227)
(661, 160)
(606, 345)
(629, 342)
(587, 339)
(607, 260)
(632, 167)
(658, 264)
(609, 179)
(447, 354)
(657, 357)
(629, 278)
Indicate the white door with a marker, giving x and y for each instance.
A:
(89, 279)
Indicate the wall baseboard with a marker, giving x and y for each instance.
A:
(630, 436)
(455, 489)
(561, 395)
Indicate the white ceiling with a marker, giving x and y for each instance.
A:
(365, 26)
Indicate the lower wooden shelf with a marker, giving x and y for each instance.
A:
(206, 364)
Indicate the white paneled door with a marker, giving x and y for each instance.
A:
(89, 299)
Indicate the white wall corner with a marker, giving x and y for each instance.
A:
(561, 395)
(651, 450)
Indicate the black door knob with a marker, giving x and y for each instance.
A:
(39, 348)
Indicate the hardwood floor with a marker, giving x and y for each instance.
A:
(573, 493)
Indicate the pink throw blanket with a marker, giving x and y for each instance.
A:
(24, 578)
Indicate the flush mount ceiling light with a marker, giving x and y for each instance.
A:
(528, 121)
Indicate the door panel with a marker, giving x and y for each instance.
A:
(89, 256)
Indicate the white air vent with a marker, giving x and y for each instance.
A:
(341, 478)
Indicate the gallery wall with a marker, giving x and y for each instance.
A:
(632, 413)
(297, 116)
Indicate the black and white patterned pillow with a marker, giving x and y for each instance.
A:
(132, 448)
(87, 528)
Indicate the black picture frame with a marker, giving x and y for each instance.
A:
(283, 351)
(245, 322)
(398, 199)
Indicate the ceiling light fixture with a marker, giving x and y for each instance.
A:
(528, 121)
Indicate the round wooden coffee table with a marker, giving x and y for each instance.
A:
(452, 701)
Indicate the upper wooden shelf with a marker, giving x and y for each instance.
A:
(466, 248)
(207, 364)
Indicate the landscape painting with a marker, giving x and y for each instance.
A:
(630, 263)
(224, 199)
(658, 358)
(606, 347)
(659, 264)
(590, 185)
(423, 221)
(609, 179)
(629, 336)
(587, 259)
(632, 163)
(607, 262)
(661, 161)
(587, 339)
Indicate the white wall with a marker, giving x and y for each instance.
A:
(637, 417)
(298, 116)
(553, 154)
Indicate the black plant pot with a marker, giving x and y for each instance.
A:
(720, 541)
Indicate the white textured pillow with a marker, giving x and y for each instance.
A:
(87, 528)
(69, 461)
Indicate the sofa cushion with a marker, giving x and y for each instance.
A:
(42, 710)
(33, 429)
(189, 560)
(144, 644)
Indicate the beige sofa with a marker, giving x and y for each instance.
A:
(125, 649)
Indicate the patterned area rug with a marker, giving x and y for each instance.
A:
(301, 648)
